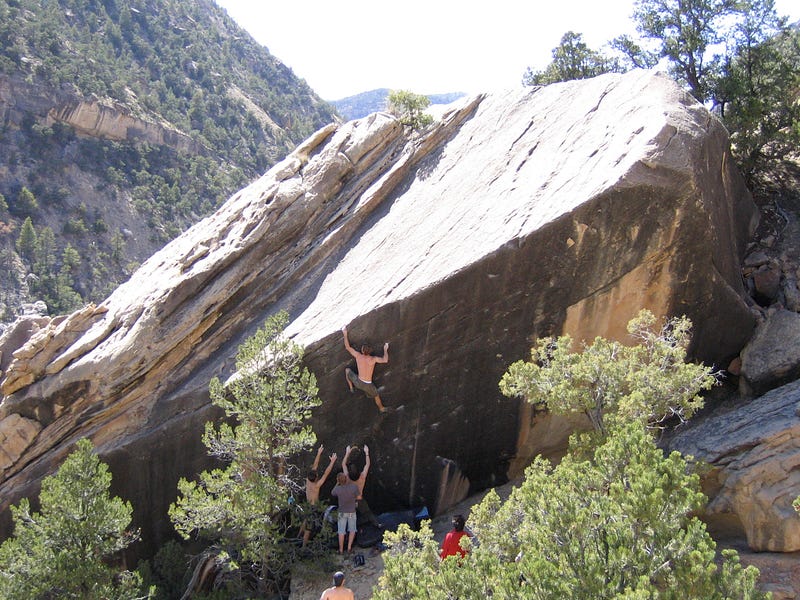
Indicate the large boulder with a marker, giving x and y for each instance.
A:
(753, 475)
(562, 209)
(772, 357)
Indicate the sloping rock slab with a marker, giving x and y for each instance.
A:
(754, 455)
(540, 211)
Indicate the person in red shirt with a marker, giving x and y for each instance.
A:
(451, 545)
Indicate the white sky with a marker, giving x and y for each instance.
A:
(427, 46)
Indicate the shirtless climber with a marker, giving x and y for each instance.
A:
(366, 365)
(313, 484)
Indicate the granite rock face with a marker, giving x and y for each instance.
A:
(562, 209)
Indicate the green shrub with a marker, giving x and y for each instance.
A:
(65, 549)
(409, 108)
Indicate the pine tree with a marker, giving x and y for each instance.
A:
(66, 298)
(247, 507)
(64, 551)
(26, 203)
(756, 92)
(45, 253)
(613, 519)
(26, 242)
(45, 284)
(409, 108)
(572, 59)
(684, 31)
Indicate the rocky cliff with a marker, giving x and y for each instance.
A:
(21, 99)
(562, 209)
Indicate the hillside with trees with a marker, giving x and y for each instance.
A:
(80, 210)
